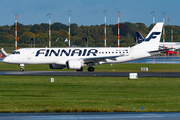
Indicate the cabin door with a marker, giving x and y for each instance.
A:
(29, 54)
(132, 53)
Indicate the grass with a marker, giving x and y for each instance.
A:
(129, 67)
(88, 94)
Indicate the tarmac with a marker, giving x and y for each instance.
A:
(98, 74)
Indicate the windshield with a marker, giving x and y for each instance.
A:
(15, 52)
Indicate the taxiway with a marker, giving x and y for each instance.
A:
(98, 74)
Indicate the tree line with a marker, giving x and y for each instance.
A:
(79, 34)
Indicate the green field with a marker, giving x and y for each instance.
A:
(90, 94)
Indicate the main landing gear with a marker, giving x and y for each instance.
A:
(90, 69)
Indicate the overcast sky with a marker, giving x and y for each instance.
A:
(89, 12)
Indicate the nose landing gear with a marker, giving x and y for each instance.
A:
(22, 67)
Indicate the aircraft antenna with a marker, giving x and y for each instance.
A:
(69, 26)
(16, 31)
(49, 30)
(105, 29)
(153, 18)
(163, 30)
(118, 28)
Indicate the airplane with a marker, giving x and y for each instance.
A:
(77, 58)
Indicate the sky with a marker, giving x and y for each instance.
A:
(89, 12)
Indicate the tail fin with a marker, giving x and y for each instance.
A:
(152, 40)
(140, 38)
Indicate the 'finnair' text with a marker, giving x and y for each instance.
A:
(66, 52)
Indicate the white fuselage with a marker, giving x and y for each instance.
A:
(61, 55)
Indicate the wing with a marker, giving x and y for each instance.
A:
(97, 59)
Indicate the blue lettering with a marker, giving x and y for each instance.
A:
(39, 52)
(93, 51)
(56, 54)
(84, 53)
(47, 52)
(63, 51)
(76, 51)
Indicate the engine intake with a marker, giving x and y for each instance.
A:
(74, 64)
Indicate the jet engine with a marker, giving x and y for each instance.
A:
(74, 64)
(56, 66)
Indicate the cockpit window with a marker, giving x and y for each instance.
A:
(15, 52)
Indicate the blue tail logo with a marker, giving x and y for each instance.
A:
(152, 36)
(141, 38)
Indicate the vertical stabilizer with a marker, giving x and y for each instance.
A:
(152, 40)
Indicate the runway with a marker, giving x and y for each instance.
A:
(98, 74)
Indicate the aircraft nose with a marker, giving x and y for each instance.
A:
(6, 59)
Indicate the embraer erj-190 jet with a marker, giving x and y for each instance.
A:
(77, 58)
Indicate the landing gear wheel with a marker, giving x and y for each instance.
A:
(91, 69)
(80, 70)
(22, 69)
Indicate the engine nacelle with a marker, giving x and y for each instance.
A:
(74, 64)
(56, 66)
